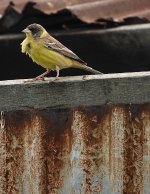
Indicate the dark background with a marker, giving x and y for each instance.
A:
(109, 51)
(105, 43)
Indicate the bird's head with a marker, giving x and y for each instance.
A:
(34, 31)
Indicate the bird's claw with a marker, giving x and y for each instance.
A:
(39, 78)
(85, 77)
(56, 79)
(34, 79)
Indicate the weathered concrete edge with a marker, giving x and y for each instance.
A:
(68, 92)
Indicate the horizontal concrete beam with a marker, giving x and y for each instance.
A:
(68, 92)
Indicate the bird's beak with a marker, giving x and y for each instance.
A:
(26, 30)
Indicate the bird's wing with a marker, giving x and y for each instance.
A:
(53, 44)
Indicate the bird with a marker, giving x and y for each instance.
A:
(48, 52)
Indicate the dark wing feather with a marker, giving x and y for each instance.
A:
(53, 44)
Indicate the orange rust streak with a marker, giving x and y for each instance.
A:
(94, 149)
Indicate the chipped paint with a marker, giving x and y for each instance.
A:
(102, 149)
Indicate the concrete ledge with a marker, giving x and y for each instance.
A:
(124, 88)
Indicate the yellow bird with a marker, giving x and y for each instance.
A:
(49, 52)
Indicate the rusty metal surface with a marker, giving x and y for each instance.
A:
(93, 150)
(87, 11)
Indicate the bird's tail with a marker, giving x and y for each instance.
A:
(85, 67)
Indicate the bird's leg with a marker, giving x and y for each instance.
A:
(57, 70)
(40, 77)
(57, 76)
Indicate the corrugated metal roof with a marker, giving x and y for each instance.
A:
(87, 11)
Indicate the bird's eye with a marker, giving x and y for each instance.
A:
(33, 30)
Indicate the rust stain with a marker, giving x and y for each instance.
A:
(23, 160)
(85, 150)
(134, 148)
(85, 156)
(34, 172)
(93, 130)
(3, 153)
(13, 153)
(58, 148)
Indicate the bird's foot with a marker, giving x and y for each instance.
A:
(55, 79)
(34, 79)
(39, 78)
(85, 77)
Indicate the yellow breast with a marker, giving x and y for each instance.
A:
(43, 56)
